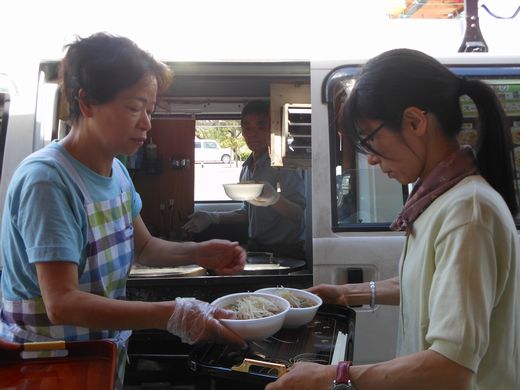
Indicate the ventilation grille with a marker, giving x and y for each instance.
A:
(296, 133)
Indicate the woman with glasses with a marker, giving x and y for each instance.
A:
(458, 286)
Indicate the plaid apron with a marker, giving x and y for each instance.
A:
(109, 255)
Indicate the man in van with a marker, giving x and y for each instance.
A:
(276, 217)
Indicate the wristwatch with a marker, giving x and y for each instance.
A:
(342, 381)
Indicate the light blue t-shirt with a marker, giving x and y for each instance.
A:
(44, 219)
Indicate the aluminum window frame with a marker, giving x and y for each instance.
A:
(329, 87)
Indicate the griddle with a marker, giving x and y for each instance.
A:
(264, 263)
(257, 263)
(141, 271)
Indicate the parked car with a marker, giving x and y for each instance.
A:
(209, 150)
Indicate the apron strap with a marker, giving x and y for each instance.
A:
(71, 170)
(69, 167)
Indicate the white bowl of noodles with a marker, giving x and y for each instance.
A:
(258, 315)
(304, 304)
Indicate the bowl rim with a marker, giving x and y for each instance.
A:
(279, 299)
(243, 184)
(243, 191)
(318, 299)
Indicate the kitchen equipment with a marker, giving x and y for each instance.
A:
(58, 365)
(297, 316)
(180, 162)
(243, 191)
(150, 151)
(254, 328)
(264, 263)
(257, 263)
(139, 271)
(158, 357)
(328, 339)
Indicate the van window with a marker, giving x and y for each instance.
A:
(211, 152)
(365, 198)
(210, 145)
(219, 153)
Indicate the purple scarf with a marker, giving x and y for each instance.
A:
(449, 172)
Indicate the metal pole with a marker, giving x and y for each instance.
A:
(473, 40)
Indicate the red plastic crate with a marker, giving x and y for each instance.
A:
(86, 365)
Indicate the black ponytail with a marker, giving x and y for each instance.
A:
(494, 148)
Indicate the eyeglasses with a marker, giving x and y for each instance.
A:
(364, 142)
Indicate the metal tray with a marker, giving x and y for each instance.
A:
(141, 271)
(328, 339)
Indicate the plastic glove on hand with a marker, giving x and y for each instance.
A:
(193, 321)
(268, 197)
(200, 220)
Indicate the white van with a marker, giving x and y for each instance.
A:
(209, 151)
(343, 245)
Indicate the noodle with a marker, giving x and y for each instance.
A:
(294, 300)
(252, 307)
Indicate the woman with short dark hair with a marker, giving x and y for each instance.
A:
(71, 227)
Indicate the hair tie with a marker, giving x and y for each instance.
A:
(463, 85)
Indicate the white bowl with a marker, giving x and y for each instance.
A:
(258, 328)
(296, 316)
(243, 191)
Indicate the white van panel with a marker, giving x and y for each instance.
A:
(378, 257)
(21, 89)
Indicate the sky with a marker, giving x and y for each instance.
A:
(36, 30)
(200, 29)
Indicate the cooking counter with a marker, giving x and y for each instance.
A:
(159, 357)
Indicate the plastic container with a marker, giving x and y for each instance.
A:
(297, 316)
(243, 191)
(150, 151)
(73, 366)
(258, 328)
